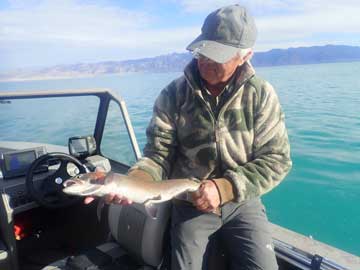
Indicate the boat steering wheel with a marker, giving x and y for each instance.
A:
(48, 192)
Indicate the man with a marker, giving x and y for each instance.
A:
(220, 124)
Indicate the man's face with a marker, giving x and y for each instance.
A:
(215, 73)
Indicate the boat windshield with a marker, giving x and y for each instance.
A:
(54, 120)
(48, 120)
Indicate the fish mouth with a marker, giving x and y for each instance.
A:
(80, 187)
(71, 182)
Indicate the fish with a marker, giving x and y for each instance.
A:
(140, 191)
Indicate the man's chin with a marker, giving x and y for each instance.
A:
(211, 79)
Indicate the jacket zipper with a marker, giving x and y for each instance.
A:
(216, 131)
(215, 120)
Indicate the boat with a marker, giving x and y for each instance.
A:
(41, 228)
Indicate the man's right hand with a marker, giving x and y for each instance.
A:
(207, 198)
(100, 175)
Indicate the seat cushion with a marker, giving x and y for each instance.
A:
(139, 234)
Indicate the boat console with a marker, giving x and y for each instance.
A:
(15, 162)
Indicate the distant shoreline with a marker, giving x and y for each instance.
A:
(176, 62)
(45, 78)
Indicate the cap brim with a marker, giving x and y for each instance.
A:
(213, 50)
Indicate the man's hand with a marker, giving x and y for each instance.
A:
(100, 175)
(207, 198)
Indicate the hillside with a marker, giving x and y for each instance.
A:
(177, 61)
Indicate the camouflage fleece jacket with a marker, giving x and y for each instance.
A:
(246, 143)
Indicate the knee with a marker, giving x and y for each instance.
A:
(183, 232)
(256, 258)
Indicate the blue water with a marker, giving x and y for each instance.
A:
(321, 195)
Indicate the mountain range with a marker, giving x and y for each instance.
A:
(177, 61)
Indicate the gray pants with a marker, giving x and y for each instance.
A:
(243, 230)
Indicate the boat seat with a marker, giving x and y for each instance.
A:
(138, 242)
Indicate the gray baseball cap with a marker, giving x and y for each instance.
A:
(224, 32)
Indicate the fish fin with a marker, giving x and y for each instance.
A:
(157, 198)
(151, 210)
(217, 211)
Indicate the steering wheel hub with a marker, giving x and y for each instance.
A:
(49, 193)
(59, 180)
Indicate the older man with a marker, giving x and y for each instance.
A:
(222, 125)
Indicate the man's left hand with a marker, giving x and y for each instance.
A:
(207, 198)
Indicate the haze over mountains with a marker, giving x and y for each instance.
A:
(177, 62)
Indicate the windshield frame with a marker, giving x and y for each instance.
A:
(104, 95)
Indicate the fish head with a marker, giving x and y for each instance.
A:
(86, 184)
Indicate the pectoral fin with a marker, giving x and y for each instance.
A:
(150, 206)
(151, 209)
(217, 211)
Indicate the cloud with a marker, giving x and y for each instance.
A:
(96, 30)
(68, 21)
(73, 23)
(324, 26)
(88, 30)
(283, 24)
(267, 7)
(256, 6)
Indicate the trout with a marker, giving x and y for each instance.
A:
(137, 190)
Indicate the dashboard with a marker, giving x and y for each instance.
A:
(15, 159)
(16, 203)
(14, 193)
(14, 162)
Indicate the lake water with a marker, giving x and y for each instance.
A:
(321, 195)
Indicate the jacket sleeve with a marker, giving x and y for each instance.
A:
(271, 150)
(161, 143)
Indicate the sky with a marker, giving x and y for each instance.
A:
(39, 33)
